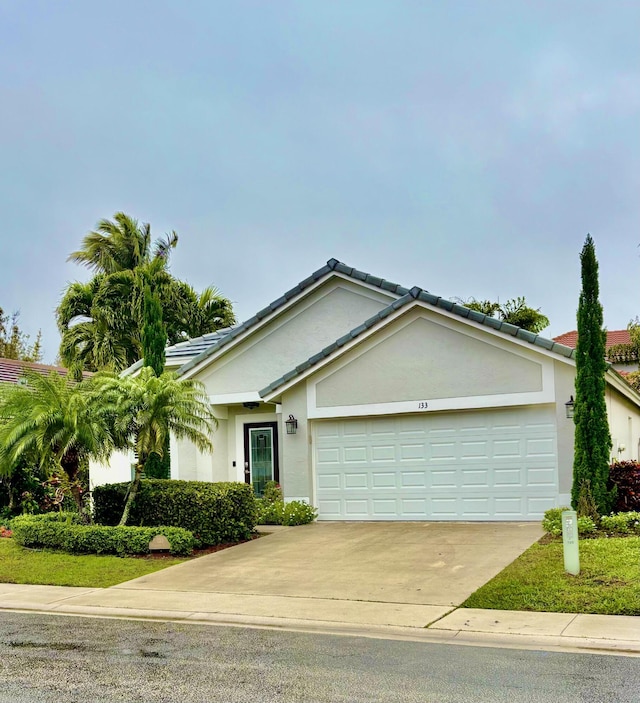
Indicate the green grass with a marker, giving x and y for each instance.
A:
(34, 566)
(608, 583)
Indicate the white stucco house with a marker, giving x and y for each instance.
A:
(405, 406)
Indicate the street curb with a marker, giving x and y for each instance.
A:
(560, 643)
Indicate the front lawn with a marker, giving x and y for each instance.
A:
(608, 583)
(35, 566)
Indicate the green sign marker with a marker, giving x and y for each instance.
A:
(570, 542)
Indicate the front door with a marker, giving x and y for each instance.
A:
(260, 454)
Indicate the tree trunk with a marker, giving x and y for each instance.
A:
(70, 466)
(133, 491)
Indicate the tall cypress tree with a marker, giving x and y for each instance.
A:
(592, 447)
(154, 339)
(154, 333)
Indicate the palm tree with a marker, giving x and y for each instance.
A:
(146, 408)
(122, 245)
(59, 423)
(100, 321)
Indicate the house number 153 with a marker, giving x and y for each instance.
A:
(423, 405)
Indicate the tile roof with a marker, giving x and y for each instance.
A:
(11, 370)
(424, 296)
(181, 353)
(570, 339)
(211, 346)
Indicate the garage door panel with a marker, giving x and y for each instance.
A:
(413, 479)
(413, 452)
(327, 481)
(507, 477)
(356, 480)
(383, 453)
(443, 479)
(414, 507)
(541, 476)
(540, 446)
(354, 455)
(500, 464)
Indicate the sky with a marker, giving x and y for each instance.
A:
(464, 147)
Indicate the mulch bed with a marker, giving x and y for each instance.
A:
(198, 552)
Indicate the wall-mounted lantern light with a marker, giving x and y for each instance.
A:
(292, 425)
(570, 406)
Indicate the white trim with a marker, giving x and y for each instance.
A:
(473, 329)
(434, 405)
(220, 412)
(381, 296)
(241, 421)
(231, 398)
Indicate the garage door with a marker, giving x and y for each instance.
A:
(476, 465)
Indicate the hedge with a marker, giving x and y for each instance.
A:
(213, 512)
(40, 531)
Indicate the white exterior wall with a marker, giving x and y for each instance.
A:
(624, 424)
(117, 470)
(564, 376)
(295, 468)
(329, 312)
(418, 358)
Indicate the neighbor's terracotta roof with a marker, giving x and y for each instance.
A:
(570, 339)
(11, 370)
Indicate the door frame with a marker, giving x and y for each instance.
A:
(247, 449)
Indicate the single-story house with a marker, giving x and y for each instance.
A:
(619, 350)
(377, 402)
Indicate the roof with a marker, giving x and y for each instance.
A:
(181, 353)
(423, 296)
(11, 370)
(333, 265)
(570, 339)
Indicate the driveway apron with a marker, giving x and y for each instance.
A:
(422, 563)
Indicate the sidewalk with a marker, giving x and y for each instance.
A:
(603, 634)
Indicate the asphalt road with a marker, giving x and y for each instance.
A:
(50, 658)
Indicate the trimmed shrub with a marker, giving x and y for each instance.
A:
(297, 512)
(625, 475)
(270, 513)
(70, 518)
(277, 512)
(30, 531)
(621, 523)
(213, 512)
(552, 523)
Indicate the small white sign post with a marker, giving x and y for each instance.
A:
(570, 542)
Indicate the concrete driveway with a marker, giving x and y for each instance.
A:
(393, 573)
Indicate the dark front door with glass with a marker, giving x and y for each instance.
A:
(260, 454)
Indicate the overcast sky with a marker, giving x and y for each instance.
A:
(465, 147)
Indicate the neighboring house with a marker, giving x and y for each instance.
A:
(12, 370)
(621, 354)
(405, 406)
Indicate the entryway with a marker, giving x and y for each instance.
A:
(260, 454)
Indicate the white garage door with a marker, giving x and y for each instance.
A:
(475, 465)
